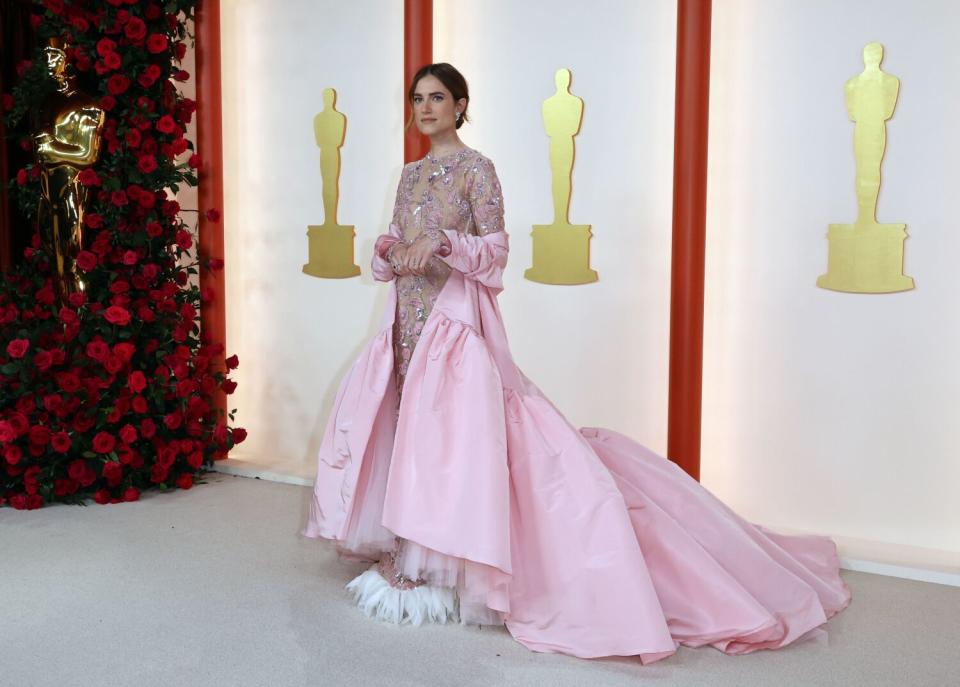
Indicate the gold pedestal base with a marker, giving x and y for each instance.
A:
(331, 251)
(561, 254)
(865, 259)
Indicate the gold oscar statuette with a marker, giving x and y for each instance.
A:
(66, 136)
(867, 257)
(561, 251)
(330, 245)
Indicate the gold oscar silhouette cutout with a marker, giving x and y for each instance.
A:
(561, 251)
(66, 137)
(867, 257)
(330, 244)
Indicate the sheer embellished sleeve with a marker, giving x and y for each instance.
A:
(486, 197)
(482, 257)
(382, 269)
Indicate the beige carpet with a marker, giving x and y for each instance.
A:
(215, 586)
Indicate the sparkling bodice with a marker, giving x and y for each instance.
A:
(456, 191)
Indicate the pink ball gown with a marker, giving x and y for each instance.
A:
(476, 500)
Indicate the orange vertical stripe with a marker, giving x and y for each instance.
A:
(417, 51)
(213, 315)
(689, 232)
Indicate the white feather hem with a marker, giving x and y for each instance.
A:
(381, 601)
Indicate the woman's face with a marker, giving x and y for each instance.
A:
(434, 109)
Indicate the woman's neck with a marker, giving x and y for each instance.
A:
(444, 144)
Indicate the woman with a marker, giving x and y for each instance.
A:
(478, 500)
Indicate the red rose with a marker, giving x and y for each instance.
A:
(139, 405)
(195, 460)
(52, 402)
(68, 316)
(43, 360)
(104, 442)
(102, 496)
(239, 434)
(131, 494)
(12, 454)
(119, 198)
(63, 487)
(39, 435)
(22, 177)
(181, 50)
(86, 260)
(108, 102)
(93, 220)
(82, 424)
(158, 474)
(113, 365)
(166, 125)
(124, 351)
(173, 420)
(105, 46)
(213, 215)
(61, 442)
(228, 386)
(46, 296)
(148, 428)
(157, 43)
(88, 177)
(195, 162)
(135, 29)
(112, 60)
(117, 315)
(130, 257)
(117, 84)
(147, 200)
(137, 381)
(185, 388)
(147, 163)
(112, 472)
(154, 229)
(181, 75)
(185, 480)
(77, 469)
(98, 350)
(128, 434)
(18, 348)
(170, 208)
(69, 382)
(184, 239)
(132, 138)
(82, 61)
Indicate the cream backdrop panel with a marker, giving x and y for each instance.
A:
(599, 351)
(296, 335)
(824, 411)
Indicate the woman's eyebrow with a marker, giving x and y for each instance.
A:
(434, 93)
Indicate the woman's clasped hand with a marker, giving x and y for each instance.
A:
(412, 258)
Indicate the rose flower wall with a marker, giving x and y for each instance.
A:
(107, 389)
